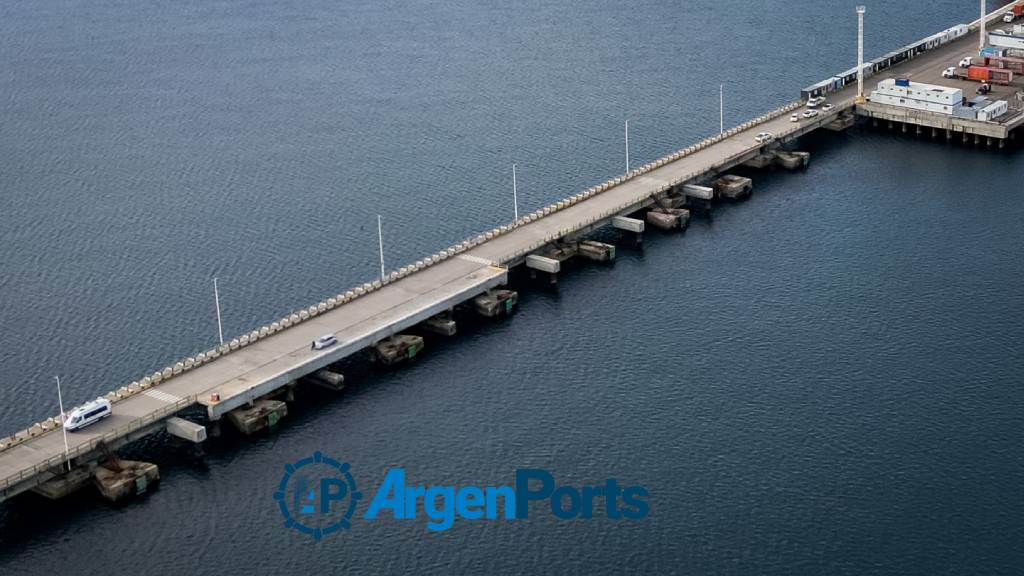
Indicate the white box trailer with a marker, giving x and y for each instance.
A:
(993, 110)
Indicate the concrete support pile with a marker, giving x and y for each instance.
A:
(668, 218)
(760, 161)
(596, 251)
(262, 414)
(61, 485)
(496, 303)
(125, 478)
(442, 324)
(398, 348)
(329, 379)
(792, 160)
(843, 121)
(732, 187)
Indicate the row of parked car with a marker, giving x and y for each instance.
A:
(812, 110)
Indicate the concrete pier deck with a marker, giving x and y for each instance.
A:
(269, 358)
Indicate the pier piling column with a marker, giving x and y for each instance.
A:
(1002, 143)
(949, 134)
(977, 139)
(934, 133)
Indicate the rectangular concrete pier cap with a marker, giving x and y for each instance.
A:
(186, 430)
(628, 224)
(701, 192)
(543, 264)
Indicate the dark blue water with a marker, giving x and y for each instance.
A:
(823, 379)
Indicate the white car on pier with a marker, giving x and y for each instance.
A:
(325, 341)
(764, 137)
(87, 414)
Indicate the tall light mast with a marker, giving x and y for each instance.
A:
(860, 54)
(981, 28)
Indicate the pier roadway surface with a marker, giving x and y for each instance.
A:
(275, 360)
(271, 362)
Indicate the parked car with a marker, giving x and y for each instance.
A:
(810, 113)
(764, 137)
(87, 414)
(325, 341)
(794, 117)
(815, 101)
(827, 107)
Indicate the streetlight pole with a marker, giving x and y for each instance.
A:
(627, 146)
(216, 301)
(515, 193)
(60, 401)
(380, 245)
(721, 108)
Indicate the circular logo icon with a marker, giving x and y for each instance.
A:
(317, 495)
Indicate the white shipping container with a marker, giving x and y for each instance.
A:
(924, 92)
(1004, 41)
(993, 110)
(913, 104)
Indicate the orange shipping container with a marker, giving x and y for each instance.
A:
(993, 75)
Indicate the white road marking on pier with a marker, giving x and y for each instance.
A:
(162, 396)
(477, 260)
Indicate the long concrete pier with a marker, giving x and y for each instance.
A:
(249, 367)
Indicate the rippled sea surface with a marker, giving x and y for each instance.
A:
(825, 379)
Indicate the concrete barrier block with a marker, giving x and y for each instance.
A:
(543, 264)
(156, 377)
(186, 430)
(178, 368)
(628, 224)
(234, 344)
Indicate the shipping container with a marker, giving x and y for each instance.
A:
(992, 75)
(1015, 65)
(993, 110)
